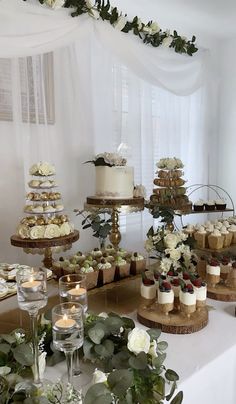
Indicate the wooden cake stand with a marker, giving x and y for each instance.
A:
(47, 244)
(115, 206)
(175, 323)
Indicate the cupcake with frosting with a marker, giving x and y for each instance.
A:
(165, 298)
(106, 272)
(220, 204)
(122, 267)
(200, 237)
(198, 206)
(96, 253)
(232, 230)
(213, 272)
(210, 205)
(91, 275)
(189, 230)
(187, 298)
(110, 249)
(231, 280)
(80, 257)
(137, 263)
(122, 252)
(108, 257)
(216, 240)
(200, 290)
(227, 236)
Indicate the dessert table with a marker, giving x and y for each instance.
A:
(205, 360)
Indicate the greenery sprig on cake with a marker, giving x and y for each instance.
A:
(149, 33)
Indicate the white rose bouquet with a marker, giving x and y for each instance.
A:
(132, 360)
(170, 163)
(172, 249)
(108, 159)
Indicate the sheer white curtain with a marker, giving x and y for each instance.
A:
(80, 100)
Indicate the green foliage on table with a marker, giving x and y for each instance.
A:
(149, 33)
(132, 376)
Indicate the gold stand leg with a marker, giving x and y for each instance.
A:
(47, 261)
(115, 235)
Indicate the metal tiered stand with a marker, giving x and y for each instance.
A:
(115, 206)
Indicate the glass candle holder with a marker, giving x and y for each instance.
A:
(68, 331)
(32, 296)
(72, 288)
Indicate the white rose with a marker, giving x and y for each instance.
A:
(139, 191)
(140, 24)
(33, 169)
(120, 23)
(103, 314)
(93, 12)
(52, 231)
(155, 27)
(175, 254)
(153, 349)
(138, 341)
(42, 364)
(147, 29)
(89, 3)
(171, 164)
(46, 169)
(36, 232)
(4, 370)
(167, 41)
(171, 240)
(65, 229)
(99, 377)
(23, 231)
(55, 4)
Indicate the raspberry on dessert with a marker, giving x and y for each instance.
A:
(189, 287)
(170, 273)
(186, 276)
(175, 282)
(213, 262)
(197, 282)
(148, 282)
(166, 285)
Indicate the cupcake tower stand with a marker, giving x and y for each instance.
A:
(116, 206)
(44, 204)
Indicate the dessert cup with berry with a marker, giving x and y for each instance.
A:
(165, 298)
(200, 289)
(187, 298)
(148, 288)
(213, 272)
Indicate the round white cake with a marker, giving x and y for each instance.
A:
(114, 182)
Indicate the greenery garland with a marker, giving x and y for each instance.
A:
(149, 33)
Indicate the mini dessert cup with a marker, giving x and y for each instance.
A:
(148, 289)
(210, 205)
(122, 271)
(227, 236)
(137, 264)
(200, 237)
(165, 298)
(213, 273)
(91, 279)
(106, 272)
(175, 284)
(232, 230)
(220, 204)
(200, 290)
(225, 267)
(187, 298)
(231, 280)
(216, 240)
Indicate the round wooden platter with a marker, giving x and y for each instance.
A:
(222, 292)
(175, 323)
(44, 243)
(111, 203)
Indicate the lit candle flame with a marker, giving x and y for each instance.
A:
(31, 279)
(77, 287)
(73, 309)
(65, 317)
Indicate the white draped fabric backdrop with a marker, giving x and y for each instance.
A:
(71, 88)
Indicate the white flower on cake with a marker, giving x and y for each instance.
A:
(111, 159)
(52, 231)
(37, 232)
(138, 341)
(139, 191)
(120, 23)
(55, 4)
(65, 229)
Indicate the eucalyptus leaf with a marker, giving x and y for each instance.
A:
(121, 360)
(99, 394)
(154, 333)
(5, 348)
(159, 387)
(97, 333)
(105, 350)
(171, 375)
(158, 361)
(23, 354)
(113, 324)
(119, 381)
(139, 362)
(172, 390)
(128, 322)
(178, 398)
(9, 338)
(162, 346)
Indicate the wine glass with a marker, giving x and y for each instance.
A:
(72, 288)
(32, 296)
(68, 331)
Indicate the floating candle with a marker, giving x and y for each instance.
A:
(31, 286)
(77, 291)
(65, 323)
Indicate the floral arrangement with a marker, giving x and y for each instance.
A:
(170, 163)
(98, 222)
(43, 169)
(132, 360)
(149, 33)
(173, 249)
(108, 159)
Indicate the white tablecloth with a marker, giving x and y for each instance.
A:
(205, 361)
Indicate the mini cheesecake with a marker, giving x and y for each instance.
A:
(175, 285)
(213, 273)
(187, 298)
(148, 289)
(200, 289)
(225, 267)
(165, 298)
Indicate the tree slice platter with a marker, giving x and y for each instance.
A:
(110, 203)
(222, 292)
(175, 322)
(44, 243)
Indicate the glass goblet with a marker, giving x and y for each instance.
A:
(32, 296)
(68, 331)
(72, 288)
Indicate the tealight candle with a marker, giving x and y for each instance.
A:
(77, 291)
(65, 323)
(31, 286)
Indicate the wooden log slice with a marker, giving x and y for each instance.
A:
(222, 292)
(44, 243)
(103, 202)
(175, 322)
